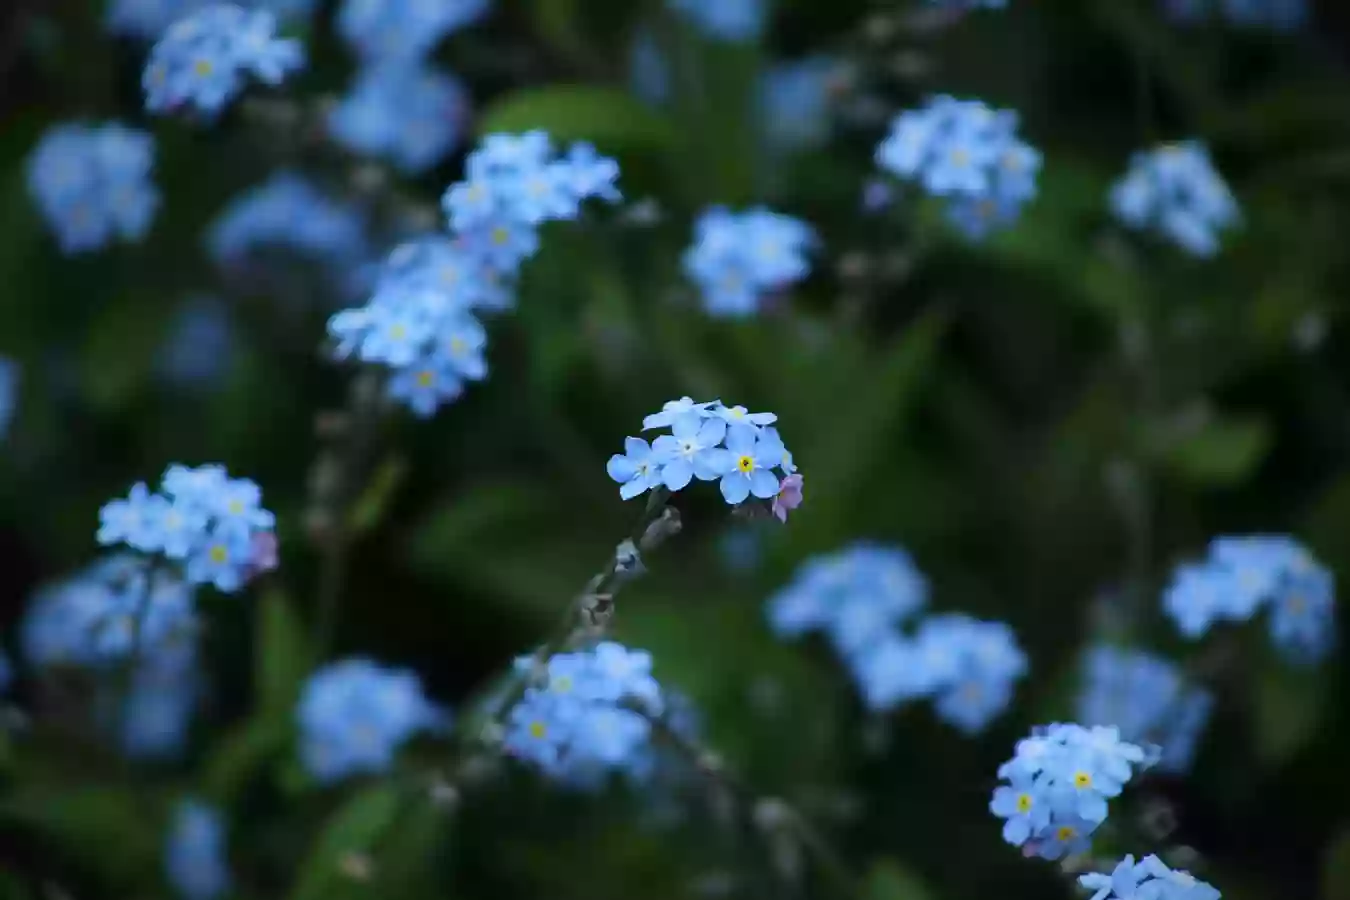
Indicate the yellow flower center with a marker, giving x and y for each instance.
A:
(1066, 832)
(203, 67)
(1082, 780)
(236, 507)
(538, 730)
(425, 378)
(398, 332)
(457, 346)
(562, 684)
(738, 413)
(449, 274)
(1024, 803)
(219, 553)
(500, 235)
(960, 158)
(746, 464)
(1297, 603)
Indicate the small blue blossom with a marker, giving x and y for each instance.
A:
(202, 61)
(1068, 771)
(637, 470)
(674, 409)
(727, 20)
(577, 720)
(738, 258)
(195, 852)
(404, 112)
(214, 524)
(1148, 879)
(92, 184)
(795, 101)
(1145, 697)
(199, 345)
(404, 29)
(354, 715)
(985, 661)
(288, 212)
(1176, 191)
(968, 154)
(1243, 574)
(691, 451)
(747, 463)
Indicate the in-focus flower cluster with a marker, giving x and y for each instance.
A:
(1244, 574)
(861, 597)
(968, 154)
(204, 60)
(287, 213)
(587, 714)
(195, 860)
(92, 184)
(1282, 15)
(739, 258)
(403, 29)
(116, 612)
(403, 112)
(1148, 879)
(1146, 697)
(1059, 780)
(212, 524)
(354, 715)
(710, 442)
(1175, 191)
(727, 20)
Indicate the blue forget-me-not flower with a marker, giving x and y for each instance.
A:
(354, 715)
(1175, 191)
(198, 347)
(204, 60)
(795, 101)
(92, 184)
(1148, 879)
(967, 154)
(148, 19)
(211, 524)
(404, 112)
(586, 713)
(709, 442)
(1059, 781)
(403, 29)
(738, 258)
(1244, 574)
(195, 861)
(1147, 698)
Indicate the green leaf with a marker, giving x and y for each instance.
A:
(1288, 707)
(608, 117)
(889, 880)
(284, 656)
(114, 831)
(1336, 868)
(241, 754)
(356, 828)
(374, 500)
(1223, 452)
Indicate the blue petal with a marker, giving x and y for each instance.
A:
(741, 439)
(735, 487)
(708, 465)
(633, 488)
(677, 474)
(686, 425)
(712, 432)
(621, 468)
(763, 484)
(636, 448)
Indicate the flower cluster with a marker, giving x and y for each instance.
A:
(588, 715)
(738, 258)
(195, 852)
(861, 596)
(1241, 575)
(1175, 190)
(744, 465)
(1146, 698)
(92, 184)
(215, 525)
(967, 153)
(202, 61)
(1059, 780)
(404, 29)
(727, 20)
(289, 212)
(1148, 879)
(120, 611)
(354, 715)
(1283, 15)
(515, 183)
(403, 112)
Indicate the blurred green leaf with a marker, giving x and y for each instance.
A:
(284, 656)
(889, 880)
(371, 505)
(241, 754)
(608, 117)
(1336, 868)
(1288, 707)
(1222, 452)
(120, 353)
(113, 830)
(355, 828)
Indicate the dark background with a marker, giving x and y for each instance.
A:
(1046, 420)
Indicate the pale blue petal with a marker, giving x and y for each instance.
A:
(763, 484)
(721, 461)
(632, 488)
(636, 448)
(677, 474)
(621, 468)
(685, 425)
(712, 432)
(741, 439)
(707, 465)
(735, 487)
